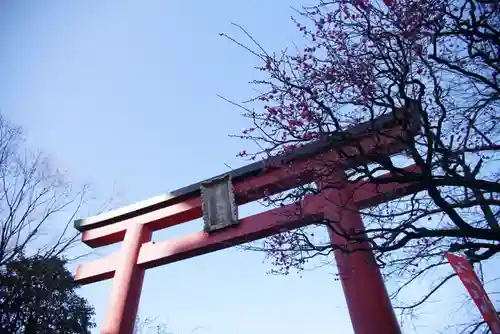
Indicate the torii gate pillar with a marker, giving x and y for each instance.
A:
(127, 283)
(366, 296)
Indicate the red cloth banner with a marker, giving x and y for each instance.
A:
(466, 273)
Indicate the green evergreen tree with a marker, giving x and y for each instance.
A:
(37, 295)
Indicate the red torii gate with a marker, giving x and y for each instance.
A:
(369, 306)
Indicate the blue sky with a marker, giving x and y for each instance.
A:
(123, 94)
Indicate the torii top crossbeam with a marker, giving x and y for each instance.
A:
(331, 149)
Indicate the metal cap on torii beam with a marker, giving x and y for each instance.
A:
(410, 115)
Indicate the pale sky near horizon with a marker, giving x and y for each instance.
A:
(123, 94)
